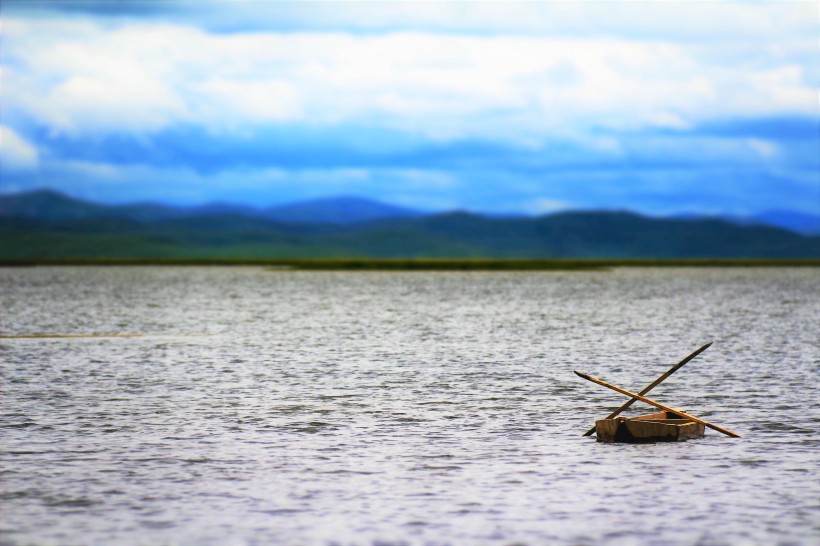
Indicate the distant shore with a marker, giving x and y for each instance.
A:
(425, 264)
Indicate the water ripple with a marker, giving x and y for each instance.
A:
(402, 408)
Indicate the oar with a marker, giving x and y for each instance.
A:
(654, 384)
(651, 402)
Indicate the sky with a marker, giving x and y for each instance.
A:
(661, 107)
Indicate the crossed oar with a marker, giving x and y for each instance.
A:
(633, 396)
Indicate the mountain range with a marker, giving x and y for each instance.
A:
(46, 224)
(55, 206)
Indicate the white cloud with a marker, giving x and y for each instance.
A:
(544, 206)
(128, 102)
(676, 20)
(235, 103)
(144, 76)
(94, 170)
(763, 148)
(16, 153)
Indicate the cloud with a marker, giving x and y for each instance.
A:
(256, 102)
(16, 153)
(544, 206)
(483, 105)
(148, 77)
(717, 21)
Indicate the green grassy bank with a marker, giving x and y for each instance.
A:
(424, 264)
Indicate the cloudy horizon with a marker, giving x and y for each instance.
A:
(518, 107)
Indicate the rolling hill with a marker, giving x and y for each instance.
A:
(52, 205)
(48, 225)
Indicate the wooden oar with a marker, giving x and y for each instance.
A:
(651, 402)
(654, 384)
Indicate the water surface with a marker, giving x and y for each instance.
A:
(287, 407)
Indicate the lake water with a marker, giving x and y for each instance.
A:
(287, 407)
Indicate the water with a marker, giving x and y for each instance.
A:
(285, 407)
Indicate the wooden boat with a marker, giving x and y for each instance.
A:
(654, 427)
(669, 425)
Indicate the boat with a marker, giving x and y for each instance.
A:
(654, 427)
(668, 425)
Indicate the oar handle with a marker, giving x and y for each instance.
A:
(651, 402)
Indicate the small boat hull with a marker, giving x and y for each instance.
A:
(655, 427)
